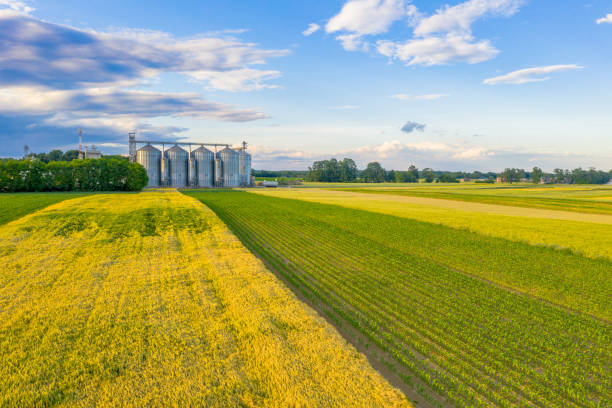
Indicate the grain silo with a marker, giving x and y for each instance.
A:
(244, 167)
(205, 166)
(177, 166)
(231, 168)
(218, 173)
(150, 158)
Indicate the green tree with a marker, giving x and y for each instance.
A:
(56, 155)
(536, 175)
(428, 175)
(348, 170)
(70, 155)
(373, 173)
(413, 174)
(448, 178)
(401, 176)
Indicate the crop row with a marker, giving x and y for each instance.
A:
(470, 342)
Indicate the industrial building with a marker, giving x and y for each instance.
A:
(177, 167)
(92, 152)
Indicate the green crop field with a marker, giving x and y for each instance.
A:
(590, 199)
(16, 205)
(462, 318)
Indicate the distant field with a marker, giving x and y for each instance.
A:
(16, 205)
(585, 233)
(443, 307)
(582, 199)
(149, 300)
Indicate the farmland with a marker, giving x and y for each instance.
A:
(13, 206)
(584, 233)
(462, 317)
(149, 300)
(588, 199)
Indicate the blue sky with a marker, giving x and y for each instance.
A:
(454, 85)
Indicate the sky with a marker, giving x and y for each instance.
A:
(453, 85)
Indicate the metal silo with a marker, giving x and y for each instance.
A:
(244, 167)
(177, 166)
(218, 173)
(231, 167)
(150, 158)
(191, 166)
(205, 164)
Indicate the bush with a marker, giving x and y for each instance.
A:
(77, 175)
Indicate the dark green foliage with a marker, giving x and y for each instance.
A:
(447, 178)
(77, 175)
(429, 175)
(333, 171)
(373, 173)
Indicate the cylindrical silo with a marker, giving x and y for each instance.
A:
(205, 166)
(244, 167)
(150, 158)
(177, 166)
(192, 176)
(163, 180)
(218, 173)
(231, 167)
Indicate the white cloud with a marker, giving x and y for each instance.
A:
(353, 42)
(18, 6)
(534, 74)
(367, 16)
(245, 79)
(312, 28)
(459, 18)
(442, 38)
(438, 50)
(607, 19)
(426, 97)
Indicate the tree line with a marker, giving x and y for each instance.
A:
(346, 171)
(559, 176)
(105, 174)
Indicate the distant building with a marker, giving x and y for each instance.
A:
(498, 180)
(92, 152)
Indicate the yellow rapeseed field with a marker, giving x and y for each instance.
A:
(149, 300)
(588, 234)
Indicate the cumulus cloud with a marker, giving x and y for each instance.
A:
(426, 97)
(14, 5)
(54, 78)
(460, 18)
(367, 16)
(526, 75)
(607, 19)
(442, 38)
(410, 127)
(37, 52)
(312, 28)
